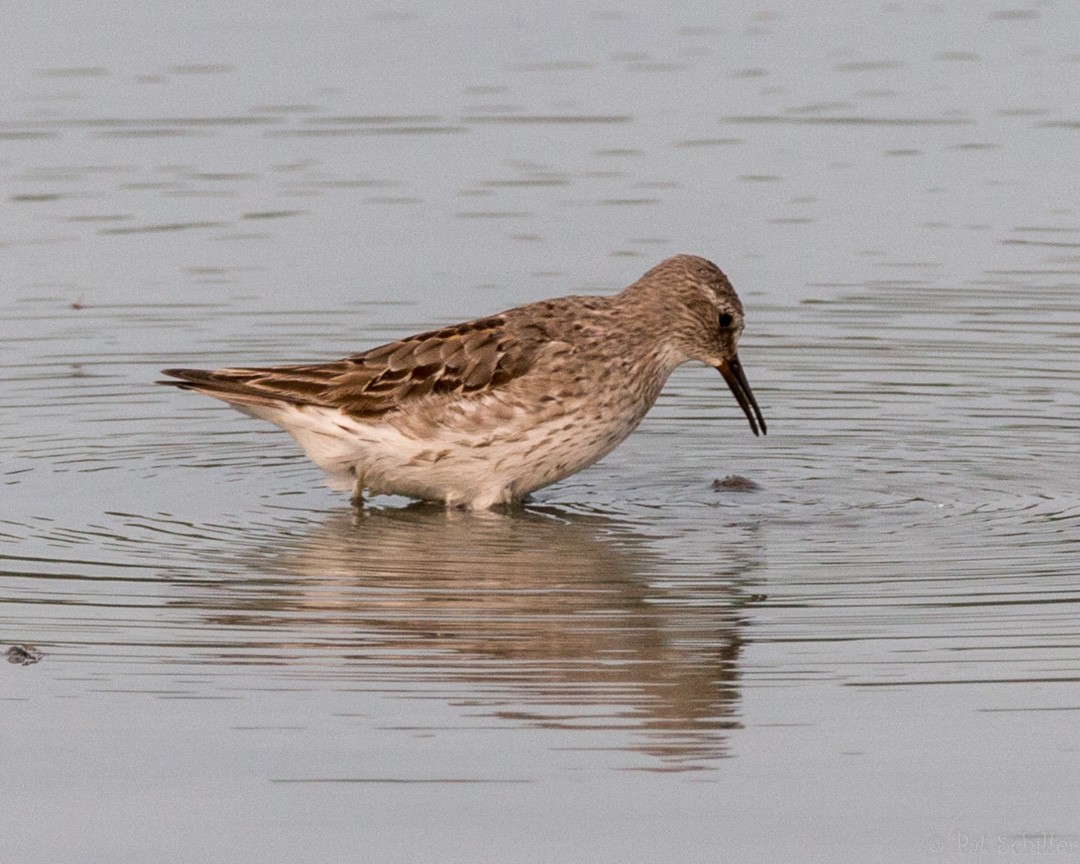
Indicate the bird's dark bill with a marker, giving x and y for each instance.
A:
(736, 380)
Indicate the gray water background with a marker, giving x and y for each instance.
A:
(874, 657)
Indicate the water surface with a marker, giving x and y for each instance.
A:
(874, 655)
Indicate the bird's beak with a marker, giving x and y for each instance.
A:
(736, 380)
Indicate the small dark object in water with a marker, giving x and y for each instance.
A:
(735, 483)
(23, 655)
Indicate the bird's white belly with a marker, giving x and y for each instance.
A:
(463, 467)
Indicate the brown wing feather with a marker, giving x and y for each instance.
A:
(459, 359)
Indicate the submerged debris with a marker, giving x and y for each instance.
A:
(23, 655)
(735, 483)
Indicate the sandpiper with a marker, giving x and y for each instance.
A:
(480, 414)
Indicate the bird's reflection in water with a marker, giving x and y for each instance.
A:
(562, 621)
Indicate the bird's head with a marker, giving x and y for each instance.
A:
(708, 320)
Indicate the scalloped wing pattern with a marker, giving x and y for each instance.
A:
(463, 358)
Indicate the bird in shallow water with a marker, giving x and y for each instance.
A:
(482, 413)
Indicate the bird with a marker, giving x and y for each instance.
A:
(478, 415)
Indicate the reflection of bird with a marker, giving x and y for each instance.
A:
(482, 413)
(571, 623)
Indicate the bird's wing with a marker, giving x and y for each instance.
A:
(478, 355)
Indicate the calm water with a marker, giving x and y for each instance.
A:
(873, 657)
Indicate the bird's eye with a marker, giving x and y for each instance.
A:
(725, 320)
